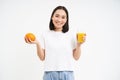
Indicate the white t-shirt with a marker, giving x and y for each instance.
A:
(58, 50)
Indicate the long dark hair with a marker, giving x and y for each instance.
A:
(66, 26)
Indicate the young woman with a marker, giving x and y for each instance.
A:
(58, 48)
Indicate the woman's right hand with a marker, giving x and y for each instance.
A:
(27, 40)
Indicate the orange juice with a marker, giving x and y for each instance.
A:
(80, 37)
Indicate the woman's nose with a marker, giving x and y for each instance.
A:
(59, 19)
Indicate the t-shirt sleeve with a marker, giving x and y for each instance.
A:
(74, 41)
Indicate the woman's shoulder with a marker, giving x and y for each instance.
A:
(45, 33)
(71, 33)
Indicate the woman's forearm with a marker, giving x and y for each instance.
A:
(77, 52)
(40, 52)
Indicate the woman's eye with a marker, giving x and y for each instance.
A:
(56, 16)
(63, 17)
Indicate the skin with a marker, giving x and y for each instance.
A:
(59, 19)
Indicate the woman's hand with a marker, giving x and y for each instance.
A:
(40, 51)
(83, 38)
(29, 41)
(77, 50)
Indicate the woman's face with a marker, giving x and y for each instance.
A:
(59, 19)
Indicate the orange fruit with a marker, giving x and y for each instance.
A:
(30, 36)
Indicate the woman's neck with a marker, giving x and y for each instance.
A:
(58, 30)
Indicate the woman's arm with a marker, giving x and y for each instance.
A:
(77, 51)
(40, 51)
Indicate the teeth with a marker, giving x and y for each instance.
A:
(59, 23)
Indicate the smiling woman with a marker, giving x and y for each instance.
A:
(99, 19)
(58, 47)
(59, 19)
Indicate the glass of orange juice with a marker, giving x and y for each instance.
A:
(80, 37)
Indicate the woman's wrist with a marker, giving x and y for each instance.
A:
(79, 45)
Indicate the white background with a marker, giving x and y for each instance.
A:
(100, 19)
